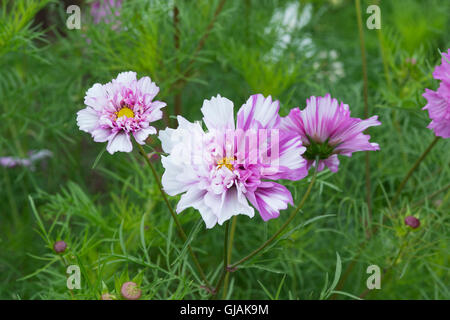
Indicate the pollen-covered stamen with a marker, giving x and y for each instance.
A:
(125, 111)
(227, 162)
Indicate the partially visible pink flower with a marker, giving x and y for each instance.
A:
(33, 156)
(105, 10)
(218, 172)
(119, 108)
(438, 105)
(11, 162)
(327, 130)
(442, 72)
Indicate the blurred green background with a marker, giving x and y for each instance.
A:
(108, 209)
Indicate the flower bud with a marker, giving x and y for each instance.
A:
(107, 296)
(59, 246)
(130, 291)
(413, 222)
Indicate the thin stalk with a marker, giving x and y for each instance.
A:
(366, 106)
(230, 249)
(283, 227)
(225, 244)
(205, 36)
(174, 215)
(181, 82)
(176, 39)
(413, 168)
(363, 56)
(225, 259)
(383, 55)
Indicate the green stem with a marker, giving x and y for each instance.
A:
(225, 259)
(179, 83)
(413, 168)
(174, 215)
(230, 249)
(283, 227)
(366, 104)
(178, 97)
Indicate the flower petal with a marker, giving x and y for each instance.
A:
(87, 119)
(218, 113)
(142, 134)
(120, 142)
(258, 110)
(269, 199)
(126, 78)
(96, 97)
(101, 134)
(194, 198)
(147, 87)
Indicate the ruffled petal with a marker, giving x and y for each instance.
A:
(126, 78)
(258, 112)
(120, 142)
(142, 134)
(178, 176)
(269, 199)
(96, 97)
(147, 87)
(442, 72)
(218, 114)
(87, 119)
(101, 134)
(232, 204)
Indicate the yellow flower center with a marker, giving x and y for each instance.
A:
(227, 162)
(125, 111)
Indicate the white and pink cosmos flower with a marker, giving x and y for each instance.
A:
(438, 105)
(327, 130)
(223, 170)
(119, 108)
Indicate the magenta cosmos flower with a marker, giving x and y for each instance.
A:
(438, 105)
(327, 130)
(119, 108)
(223, 169)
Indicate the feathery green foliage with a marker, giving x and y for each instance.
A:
(108, 208)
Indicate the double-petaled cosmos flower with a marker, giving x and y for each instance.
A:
(327, 130)
(119, 108)
(223, 170)
(438, 105)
